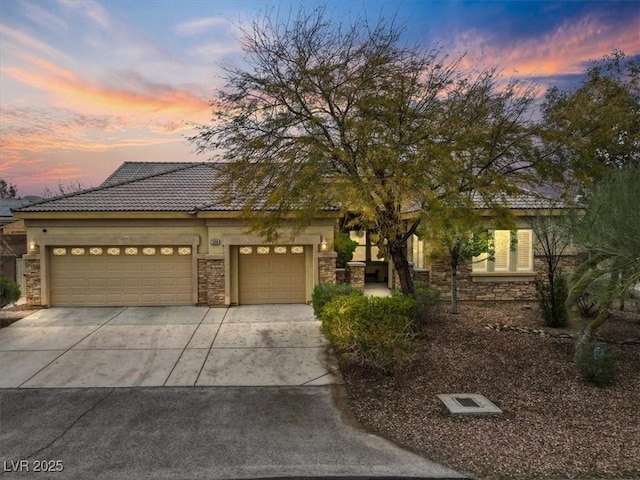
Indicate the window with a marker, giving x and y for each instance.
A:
(513, 253)
(360, 253)
(367, 250)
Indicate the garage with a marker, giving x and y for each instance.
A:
(121, 276)
(271, 274)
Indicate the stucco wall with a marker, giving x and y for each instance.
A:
(213, 242)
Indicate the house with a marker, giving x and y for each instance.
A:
(160, 234)
(13, 238)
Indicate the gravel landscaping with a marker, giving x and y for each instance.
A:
(554, 425)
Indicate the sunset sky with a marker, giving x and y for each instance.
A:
(87, 85)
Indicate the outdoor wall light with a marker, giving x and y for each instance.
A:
(323, 244)
(32, 245)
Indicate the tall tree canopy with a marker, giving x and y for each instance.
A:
(595, 128)
(349, 115)
(7, 190)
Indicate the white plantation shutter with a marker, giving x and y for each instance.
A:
(501, 241)
(525, 250)
(479, 263)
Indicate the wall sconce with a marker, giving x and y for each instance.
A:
(323, 244)
(32, 245)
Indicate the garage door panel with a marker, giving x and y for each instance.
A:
(101, 280)
(271, 278)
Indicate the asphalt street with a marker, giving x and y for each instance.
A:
(193, 433)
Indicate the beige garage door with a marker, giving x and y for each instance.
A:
(270, 274)
(122, 276)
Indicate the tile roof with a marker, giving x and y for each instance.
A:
(159, 188)
(527, 200)
(135, 170)
(7, 204)
(180, 187)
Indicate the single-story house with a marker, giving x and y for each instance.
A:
(13, 238)
(159, 234)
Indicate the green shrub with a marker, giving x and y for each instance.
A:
(595, 366)
(427, 302)
(554, 310)
(374, 332)
(325, 292)
(9, 291)
(344, 247)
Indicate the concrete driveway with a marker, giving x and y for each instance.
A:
(266, 403)
(266, 345)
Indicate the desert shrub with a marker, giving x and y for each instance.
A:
(427, 302)
(344, 247)
(374, 332)
(325, 292)
(587, 306)
(9, 291)
(552, 297)
(595, 364)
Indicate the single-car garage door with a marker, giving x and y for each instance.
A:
(269, 274)
(121, 276)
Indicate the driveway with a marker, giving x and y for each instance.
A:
(266, 345)
(244, 392)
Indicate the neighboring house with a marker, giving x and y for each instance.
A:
(13, 238)
(159, 234)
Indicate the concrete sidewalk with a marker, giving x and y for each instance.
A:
(194, 433)
(266, 345)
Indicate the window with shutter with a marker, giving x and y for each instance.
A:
(502, 246)
(524, 260)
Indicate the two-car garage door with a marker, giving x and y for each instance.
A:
(163, 275)
(120, 276)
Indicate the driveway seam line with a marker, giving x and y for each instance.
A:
(52, 361)
(185, 348)
(211, 346)
(70, 348)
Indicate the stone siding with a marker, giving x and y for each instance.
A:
(355, 274)
(341, 275)
(327, 268)
(421, 275)
(395, 283)
(33, 294)
(211, 282)
(517, 287)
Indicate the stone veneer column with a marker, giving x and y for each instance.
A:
(33, 280)
(327, 267)
(203, 298)
(355, 274)
(215, 282)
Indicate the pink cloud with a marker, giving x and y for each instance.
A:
(563, 51)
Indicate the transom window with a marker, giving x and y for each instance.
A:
(513, 253)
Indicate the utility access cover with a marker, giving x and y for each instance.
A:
(469, 404)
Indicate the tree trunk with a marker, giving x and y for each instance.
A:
(401, 265)
(454, 289)
(454, 260)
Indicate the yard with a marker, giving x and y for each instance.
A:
(554, 425)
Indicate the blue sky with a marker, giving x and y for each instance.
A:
(86, 85)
